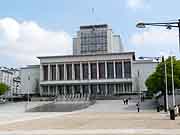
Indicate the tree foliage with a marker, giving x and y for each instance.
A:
(3, 88)
(156, 81)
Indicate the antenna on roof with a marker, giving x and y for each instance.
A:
(93, 16)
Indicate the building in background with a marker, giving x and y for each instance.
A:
(30, 77)
(11, 77)
(98, 75)
(141, 71)
(96, 39)
(98, 67)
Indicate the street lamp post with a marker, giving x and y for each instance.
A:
(166, 91)
(172, 73)
(168, 25)
(28, 92)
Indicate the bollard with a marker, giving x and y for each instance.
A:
(172, 114)
(158, 109)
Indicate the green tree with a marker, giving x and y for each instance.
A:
(155, 81)
(3, 88)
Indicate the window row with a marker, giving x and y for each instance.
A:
(87, 71)
(92, 89)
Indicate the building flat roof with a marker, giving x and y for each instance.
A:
(94, 26)
(84, 55)
(145, 61)
(6, 71)
(30, 66)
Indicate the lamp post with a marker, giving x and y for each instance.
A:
(168, 25)
(172, 73)
(28, 92)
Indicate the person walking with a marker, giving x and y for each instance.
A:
(127, 101)
(124, 101)
(138, 106)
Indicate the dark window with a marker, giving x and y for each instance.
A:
(52, 90)
(45, 72)
(118, 69)
(61, 90)
(101, 70)
(61, 72)
(102, 90)
(93, 89)
(110, 89)
(53, 72)
(85, 89)
(45, 90)
(77, 89)
(93, 71)
(127, 69)
(119, 88)
(69, 90)
(69, 71)
(85, 71)
(77, 71)
(110, 70)
(128, 87)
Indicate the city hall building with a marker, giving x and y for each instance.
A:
(100, 74)
(99, 66)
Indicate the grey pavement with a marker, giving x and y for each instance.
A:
(118, 106)
(96, 132)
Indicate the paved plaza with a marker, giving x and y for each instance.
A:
(104, 117)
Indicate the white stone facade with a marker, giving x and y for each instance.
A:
(141, 71)
(142, 67)
(30, 77)
(101, 74)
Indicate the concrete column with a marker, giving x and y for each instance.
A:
(48, 90)
(65, 75)
(106, 90)
(49, 73)
(41, 73)
(41, 91)
(131, 67)
(89, 70)
(89, 87)
(123, 88)
(57, 72)
(114, 88)
(97, 64)
(73, 90)
(81, 89)
(64, 89)
(73, 72)
(122, 68)
(114, 66)
(97, 88)
(81, 71)
(105, 69)
(56, 90)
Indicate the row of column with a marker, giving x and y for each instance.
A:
(63, 90)
(81, 70)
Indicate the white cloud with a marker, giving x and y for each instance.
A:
(137, 4)
(24, 41)
(155, 41)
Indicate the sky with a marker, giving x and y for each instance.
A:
(31, 28)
